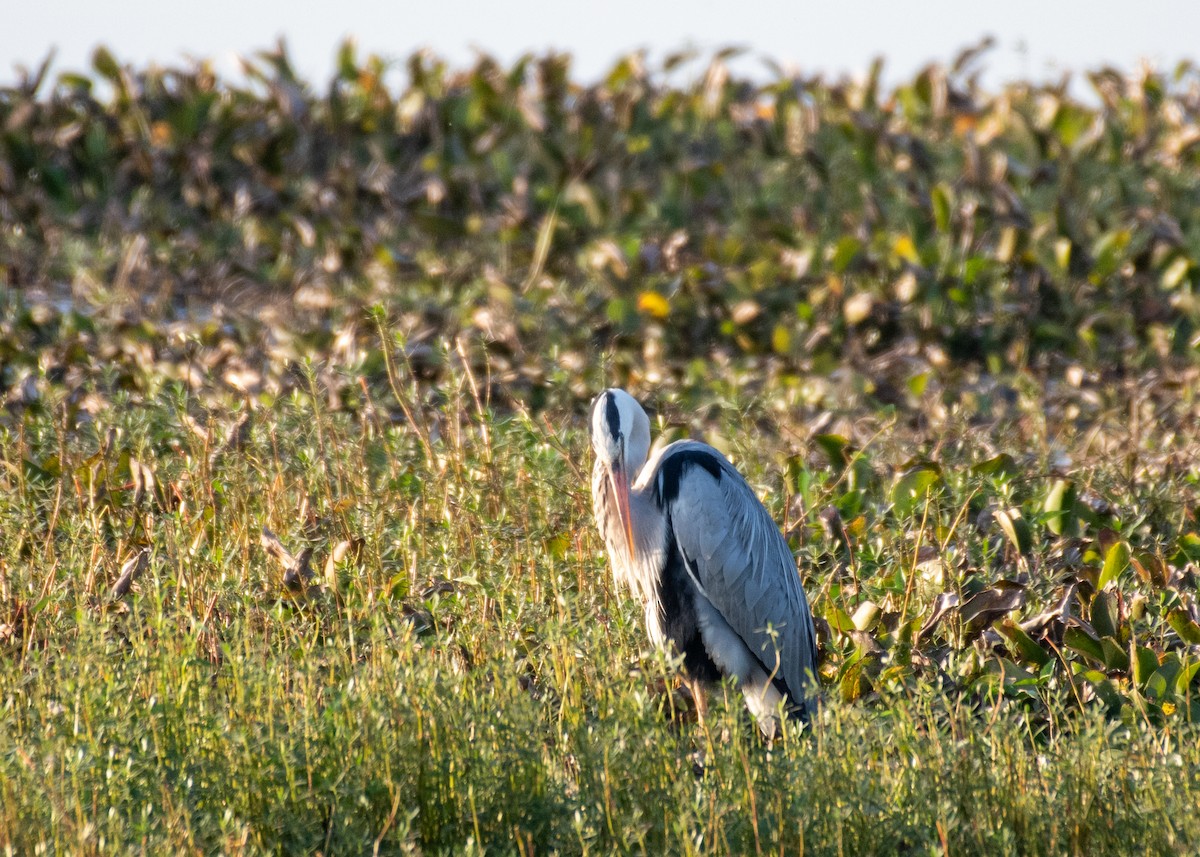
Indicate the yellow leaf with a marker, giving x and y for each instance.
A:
(1062, 252)
(906, 250)
(160, 133)
(781, 339)
(652, 303)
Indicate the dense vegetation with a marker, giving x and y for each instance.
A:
(295, 541)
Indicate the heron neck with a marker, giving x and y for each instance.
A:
(635, 460)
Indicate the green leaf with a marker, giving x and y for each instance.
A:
(1166, 676)
(1060, 500)
(1106, 690)
(1115, 655)
(839, 620)
(1145, 664)
(1015, 680)
(1080, 641)
(855, 681)
(1115, 562)
(940, 198)
(75, 81)
(1174, 273)
(1189, 546)
(835, 447)
(845, 252)
(912, 488)
(104, 62)
(347, 66)
(1183, 625)
(1108, 253)
(617, 310)
(1104, 615)
(1002, 465)
(1156, 687)
(1016, 529)
(1028, 648)
(1187, 673)
(1062, 253)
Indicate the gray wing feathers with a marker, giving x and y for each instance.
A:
(745, 568)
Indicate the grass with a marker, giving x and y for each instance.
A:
(467, 681)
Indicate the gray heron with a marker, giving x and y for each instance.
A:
(715, 577)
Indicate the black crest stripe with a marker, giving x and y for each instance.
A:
(612, 414)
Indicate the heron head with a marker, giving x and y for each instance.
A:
(621, 440)
(620, 431)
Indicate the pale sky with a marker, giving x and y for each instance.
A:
(1036, 39)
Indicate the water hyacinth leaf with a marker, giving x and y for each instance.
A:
(1156, 687)
(1116, 560)
(913, 487)
(839, 620)
(1145, 664)
(1014, 680)
(1115, 655)
(1104, 689)
(850, 504)
(1025, 646)
(1151, 570)
(1186, 675)
(942, 605)
(1104, 615)
(1181, 623)
(836, 448)
(984, 608)
(1015, 528)
(855, 682)
(1076, 639)
(1168, 671)
(1001, 465)
(1189, 548)
(1060, 500)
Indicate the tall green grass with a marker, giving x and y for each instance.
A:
(465, 681)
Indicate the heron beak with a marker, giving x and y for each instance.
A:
(620, 485)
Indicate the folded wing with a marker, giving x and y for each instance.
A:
(740, 561)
